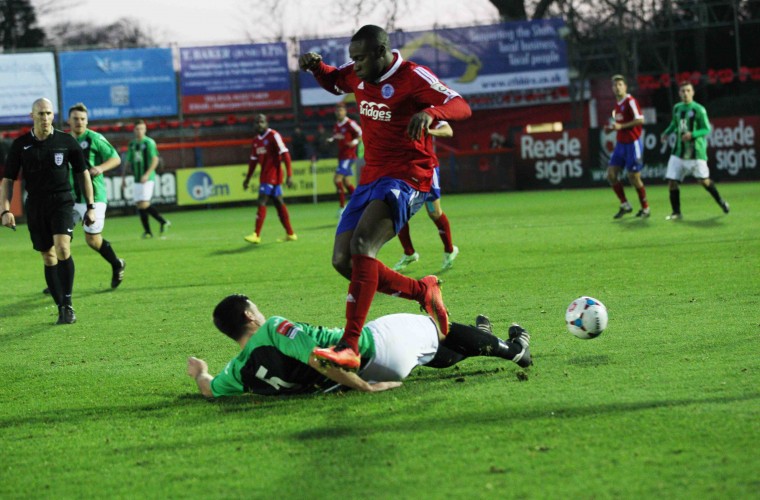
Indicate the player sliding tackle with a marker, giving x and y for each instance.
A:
(277, 358)
(398, 100)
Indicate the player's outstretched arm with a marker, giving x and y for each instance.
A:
(350, 379)
(198, 369)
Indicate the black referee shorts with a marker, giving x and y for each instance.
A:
(49, 215)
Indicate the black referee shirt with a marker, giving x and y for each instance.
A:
(45, 164)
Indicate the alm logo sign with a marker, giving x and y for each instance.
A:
(200, 187)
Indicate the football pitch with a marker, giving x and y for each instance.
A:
(666, 402)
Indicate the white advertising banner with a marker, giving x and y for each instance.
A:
(25, 78)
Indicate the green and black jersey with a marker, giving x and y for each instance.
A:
(97, 150)
(140, 154)
(692, 118)
(275, 360)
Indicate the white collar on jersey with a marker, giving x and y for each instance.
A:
(394, 67)
(343, 121)
(265, 133)
(624, 98)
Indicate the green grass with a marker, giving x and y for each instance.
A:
(666, 402)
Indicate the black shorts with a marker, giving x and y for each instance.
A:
(52, 214)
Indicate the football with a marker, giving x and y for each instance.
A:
(586, 318)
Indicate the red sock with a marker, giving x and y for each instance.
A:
(618, 188)
(341, 195)
(261, 214)
(361, 291)
(282, 212)
(390, 282)
(350, 188)
(444, 231)
(643, 197)
(406, 240)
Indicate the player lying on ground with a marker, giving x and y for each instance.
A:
(277, 354)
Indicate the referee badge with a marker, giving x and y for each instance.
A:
(387, 91)
(58, 159)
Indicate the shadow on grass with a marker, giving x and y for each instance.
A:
(232, 251)
(634, 223)
(496, 418)
(24, 307)
(703, 223)
(170, 405)
(309, 229)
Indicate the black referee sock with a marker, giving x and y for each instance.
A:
(66, 278)
(107, 253)
(152, 211)
(714, 192)
(472, 341)
(53, 284)
(675, 200)
(144, 219)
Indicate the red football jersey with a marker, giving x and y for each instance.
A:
(266, 150)
(345, 132)
(385, 107)
(627, 110)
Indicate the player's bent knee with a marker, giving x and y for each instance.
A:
(342, 265)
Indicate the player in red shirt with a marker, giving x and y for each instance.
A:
(347, 133)
(269, 150)
(629, 149)
(398, 100)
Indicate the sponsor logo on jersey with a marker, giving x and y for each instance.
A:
(387, 91)
(287, 329)
(379, 112)
(261, 150)
(84, 145)
(58, 159)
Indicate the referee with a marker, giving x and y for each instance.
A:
(45, 156)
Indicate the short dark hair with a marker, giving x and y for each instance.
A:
(685, 83)
(373, 34)
(78, 107)
(140, 122)
(229, 315)
(618, 78)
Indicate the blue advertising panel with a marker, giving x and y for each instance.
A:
(115, 84)
(230, 78)
(481, 59)
(24, 78)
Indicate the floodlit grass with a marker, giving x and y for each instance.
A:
(665, 403)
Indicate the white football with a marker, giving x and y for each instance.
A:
(586, 318)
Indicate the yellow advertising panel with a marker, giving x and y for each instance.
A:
(202, 186)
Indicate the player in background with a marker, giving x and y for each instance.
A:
(276, 354)
(689, 155)
(347, 134)
(269, 150)
(629, 148)
(44, 156)
(101, 157)
(435, 212)
(142, 157)
(398, 100)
